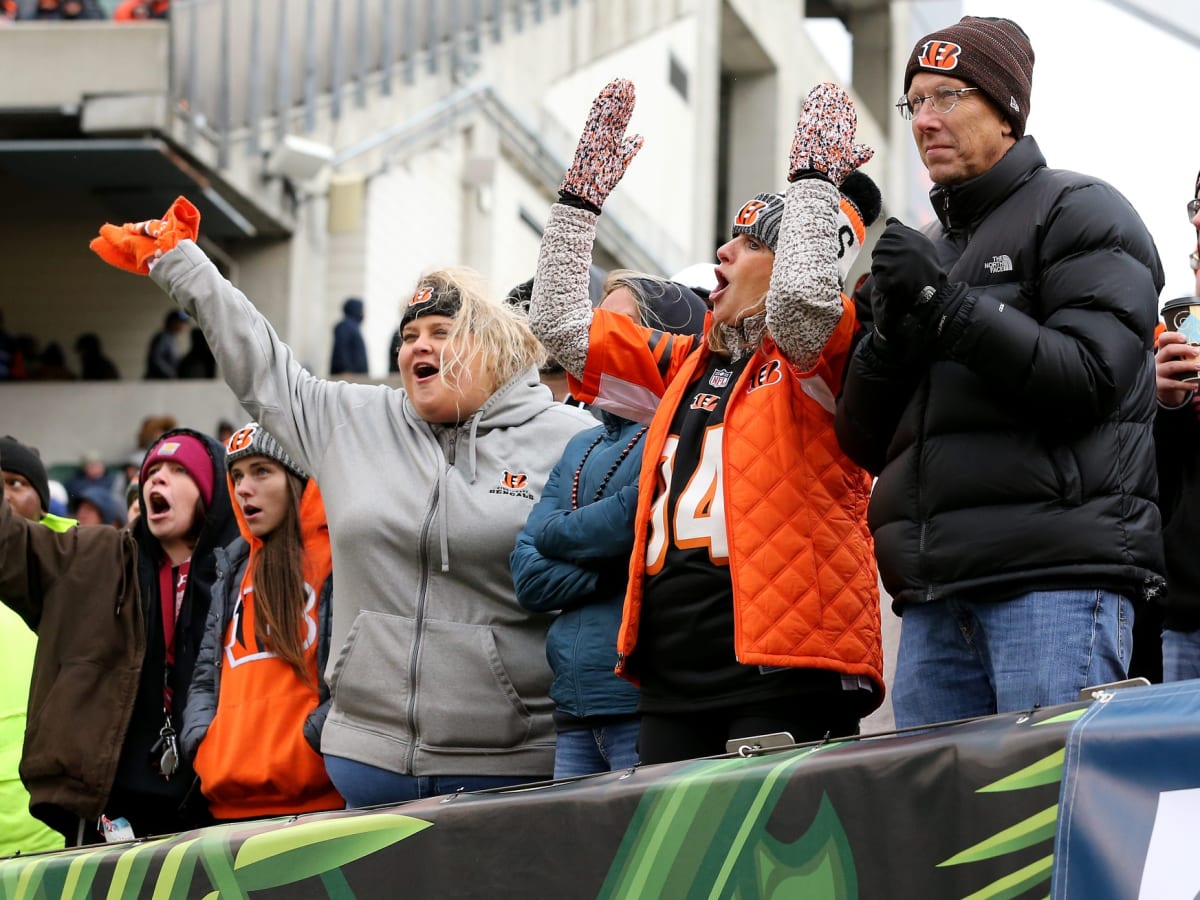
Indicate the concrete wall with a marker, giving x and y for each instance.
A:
(104, 58)
(64, 421)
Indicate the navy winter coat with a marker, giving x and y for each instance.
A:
(577, 561)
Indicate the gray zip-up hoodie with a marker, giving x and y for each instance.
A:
(436, 669)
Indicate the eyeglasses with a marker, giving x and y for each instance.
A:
(942, 99)
(1193, 208)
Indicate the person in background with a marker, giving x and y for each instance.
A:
(1005, 399)
(572, 556)
(152, 428)
(96, 506)
(1177, 449)
(133, 502)
(198, 362)
(52, 364)
(349, 356)
(27, 490)
(258, 699)
(140, 10)
(224, 430)
(162, 356)
(92, 472)
(752, 604)
(439, 681)
(8, 347)
(111, 675)
(93, 364)
(30, 10)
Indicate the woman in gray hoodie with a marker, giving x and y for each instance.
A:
(438, 678)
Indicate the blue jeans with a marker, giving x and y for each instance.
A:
(586, 751)
(363, 785)
(960, 659)
(1181, 654)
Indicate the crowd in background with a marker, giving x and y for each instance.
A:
(78, 10)
(24, 358)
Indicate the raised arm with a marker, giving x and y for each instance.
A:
(300, 410)
(804, 303)
(560, 311)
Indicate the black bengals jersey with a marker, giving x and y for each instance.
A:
(685, 655)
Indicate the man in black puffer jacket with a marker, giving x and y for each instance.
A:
(1005, 399)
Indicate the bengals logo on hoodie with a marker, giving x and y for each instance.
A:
(513, 484)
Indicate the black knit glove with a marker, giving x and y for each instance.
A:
(904, 264)
(912, 282)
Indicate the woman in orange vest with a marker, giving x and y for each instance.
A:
(258, 698)
(752, 605)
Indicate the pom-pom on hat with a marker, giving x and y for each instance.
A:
(23, 460)
(253, 440)
(992, 54)
(187, 451)
(859, 206)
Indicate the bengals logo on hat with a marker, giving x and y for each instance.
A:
(423, 295)
(748, 214)
(241, 439)
(942, 55)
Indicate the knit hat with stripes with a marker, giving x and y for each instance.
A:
(992, 54)
(253, 440)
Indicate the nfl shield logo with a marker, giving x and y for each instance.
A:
(720, 378)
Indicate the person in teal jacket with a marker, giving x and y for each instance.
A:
(27, 489)
(572, 557)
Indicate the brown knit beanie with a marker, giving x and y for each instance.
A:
(992, 54)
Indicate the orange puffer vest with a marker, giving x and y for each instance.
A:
(805, 586)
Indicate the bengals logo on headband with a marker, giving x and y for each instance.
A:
(941, 55)
(748, 214)
(423, 295)
(241, 439)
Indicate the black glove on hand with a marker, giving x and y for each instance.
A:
(904, 263)
(900, 339)
(911, 280)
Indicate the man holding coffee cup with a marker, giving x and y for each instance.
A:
(1004, 397)
(1177, 442)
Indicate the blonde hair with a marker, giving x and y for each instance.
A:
(499, 334)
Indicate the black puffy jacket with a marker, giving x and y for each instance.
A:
(1020, 455)
(1177, 434)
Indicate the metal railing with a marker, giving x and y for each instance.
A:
(252, 71)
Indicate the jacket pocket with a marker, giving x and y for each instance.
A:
(465, 697)
(369, 682)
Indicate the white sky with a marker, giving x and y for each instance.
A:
(1112, 97)
(1115, 98)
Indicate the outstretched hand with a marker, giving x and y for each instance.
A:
(824, 139)
(133, 245)
(603, 152)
